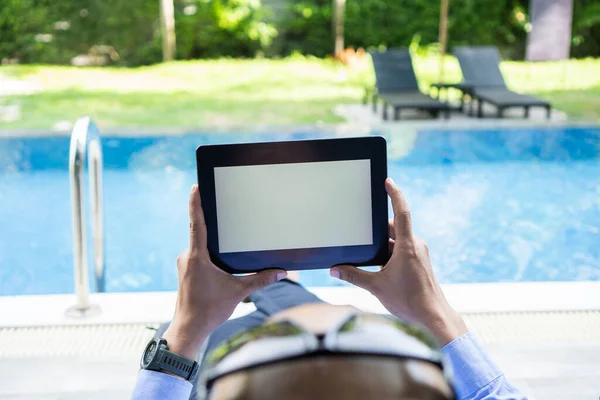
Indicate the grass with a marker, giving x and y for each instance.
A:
(578, 104)
(229, 92)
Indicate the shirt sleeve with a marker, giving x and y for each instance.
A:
(153, 385)
(476, 377)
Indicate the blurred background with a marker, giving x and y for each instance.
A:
(232, 62)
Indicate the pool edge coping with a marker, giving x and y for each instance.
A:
(153, 307)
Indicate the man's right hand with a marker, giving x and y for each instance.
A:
(406, 285)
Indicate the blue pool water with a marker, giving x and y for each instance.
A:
(493, 205)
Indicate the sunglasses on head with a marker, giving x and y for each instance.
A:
(357, 334)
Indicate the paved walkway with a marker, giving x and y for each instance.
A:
(363, 114)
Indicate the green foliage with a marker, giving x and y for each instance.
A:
(214, 28)
(586, 28)
(20, 22)
(221, 28)
(307, 28)
(375, 23)
(47, 31)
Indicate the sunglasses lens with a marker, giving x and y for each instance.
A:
(393, 337)
(276, 330)
(415, 331)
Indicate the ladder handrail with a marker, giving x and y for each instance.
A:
(85, 138)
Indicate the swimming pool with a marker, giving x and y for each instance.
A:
(493, 205)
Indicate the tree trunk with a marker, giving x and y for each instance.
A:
(443, 36)
(167, 28)
(338, 26)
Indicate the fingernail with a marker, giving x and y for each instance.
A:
(193, 187)
(281, 275)
(335, 273)
(392, 181)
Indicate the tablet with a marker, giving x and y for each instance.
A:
(295, 205)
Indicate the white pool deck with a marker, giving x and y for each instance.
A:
(152, 307)
(546, 337)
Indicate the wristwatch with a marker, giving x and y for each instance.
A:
(157, 357)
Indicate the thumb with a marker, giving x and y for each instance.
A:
(262, 279)
(355, 276)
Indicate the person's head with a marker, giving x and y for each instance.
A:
(320, 351)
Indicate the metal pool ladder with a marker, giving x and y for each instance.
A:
(85, 138)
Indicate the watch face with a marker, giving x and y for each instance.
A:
(150, 352)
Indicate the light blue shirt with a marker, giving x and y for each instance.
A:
(476, 377)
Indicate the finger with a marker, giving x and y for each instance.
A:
(391, 231)
(391, 244)
(197, 223)
(260, 280)
(355, 276)
(402, 219)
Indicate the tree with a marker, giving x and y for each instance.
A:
(167, 27)
(339, 7)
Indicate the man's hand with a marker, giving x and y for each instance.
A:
(406, 285)
(207, 295)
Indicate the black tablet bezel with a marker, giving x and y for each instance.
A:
(372, 148)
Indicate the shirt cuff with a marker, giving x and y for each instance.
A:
(472, 367)
(158, 385)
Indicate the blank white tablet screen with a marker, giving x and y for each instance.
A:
(294, 206)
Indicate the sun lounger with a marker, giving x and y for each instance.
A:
(397, 86)
(481, 71)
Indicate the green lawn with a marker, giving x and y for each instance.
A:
(232, 93)
(578, 104)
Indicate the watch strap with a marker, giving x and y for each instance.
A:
(176, 364)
